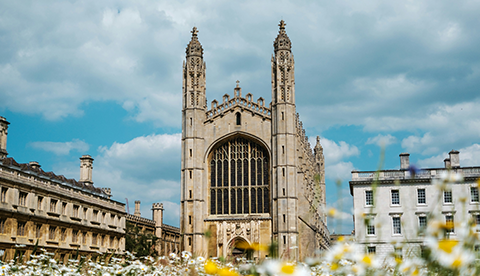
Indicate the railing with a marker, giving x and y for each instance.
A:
(407, 174)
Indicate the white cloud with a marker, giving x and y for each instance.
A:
(469, 156)
(146, 168)
(334, 152)
(382, 141)
(339, 171)
(61, 148)
(343, 221)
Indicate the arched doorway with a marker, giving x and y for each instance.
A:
(239, 248)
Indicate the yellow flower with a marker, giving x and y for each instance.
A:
(447, 245)
(334, 266)
(367, 260)
(288, 268)
(210, 267)
(226, 272)
(332, 212)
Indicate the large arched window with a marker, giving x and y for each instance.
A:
(239, 178)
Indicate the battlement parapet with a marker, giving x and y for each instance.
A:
(138, 219)
(228, 104)
(156, 206)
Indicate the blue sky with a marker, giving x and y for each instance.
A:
(104, 78)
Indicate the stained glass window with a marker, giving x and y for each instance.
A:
(239, 162)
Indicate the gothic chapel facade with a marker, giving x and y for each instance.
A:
(248, 172)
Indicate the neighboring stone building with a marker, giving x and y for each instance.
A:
(168, 236)
(391, 219)
(62, 215)
(248, 171)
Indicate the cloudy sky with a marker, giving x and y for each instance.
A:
(104, 78)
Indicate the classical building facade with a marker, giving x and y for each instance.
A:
(62, 215)
(249, 174)
(168, 236)
(392, 218)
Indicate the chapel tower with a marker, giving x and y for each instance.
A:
(284, 144)
(193, 116)
(249, 175)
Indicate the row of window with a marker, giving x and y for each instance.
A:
(421, 196)
(422, 224)
(78, 212)
(77, 236)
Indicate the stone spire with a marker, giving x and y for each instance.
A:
(194, 48)
(318, 146)
(282, 42)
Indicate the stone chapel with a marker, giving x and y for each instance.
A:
(249, 175)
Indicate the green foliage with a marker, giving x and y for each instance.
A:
(141, 244)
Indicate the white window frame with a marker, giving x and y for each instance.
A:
(394, 220)
(397, 192)
(476, 194)
(424, 196)
(445, 198)
(366, 199)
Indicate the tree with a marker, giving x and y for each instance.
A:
(139, 243)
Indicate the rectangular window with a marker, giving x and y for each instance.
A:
(22, 199)
(21, 229)
(450, 224)
(421, 198)
(371, 250)
(190, 220)
(64, 208)
(397, 226)
(85, 213)
(474, 194)
(84, 237)
(371, 229)
(4, 195)
(422, 222)
(368, 198)
(94, 239)
(2, 226)
(398, 253)
(477, 220)
(75, 210)
(447, 196)
(39, 202)
(51, 232)
(95, 215)
(395, 197)
(53, 205)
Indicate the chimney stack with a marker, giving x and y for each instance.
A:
(447, 163)
(3, 137)
(137, 208)
(86, 167)
(454, 158)
(404, 161)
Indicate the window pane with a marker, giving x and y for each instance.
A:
(233, 197)
(253, 201)
(368, 197)
(421, 196)
(266, 200)
(239, 201)
(245, 201)
(397, 227)
(219, 202)
(395, 197)
(474, 194)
